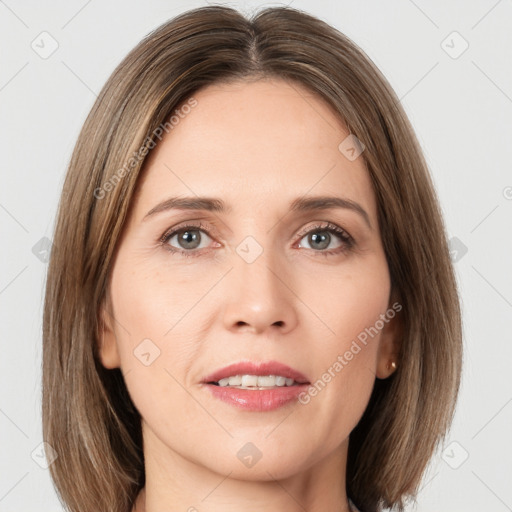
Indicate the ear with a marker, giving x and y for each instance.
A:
(390, 340)
(107, 350)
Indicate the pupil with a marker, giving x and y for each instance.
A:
(315, 237)
(188, 237)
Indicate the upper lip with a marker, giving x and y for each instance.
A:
(257, 368)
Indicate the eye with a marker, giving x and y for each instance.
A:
(188, 239)
(319, 237)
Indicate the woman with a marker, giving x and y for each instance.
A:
(200, 352)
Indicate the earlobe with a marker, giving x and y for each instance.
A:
(387, 362)
(107, 349)
(389, 347)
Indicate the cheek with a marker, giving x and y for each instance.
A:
(150, 301)
(155, 345)
(155, 327)
(350, 304)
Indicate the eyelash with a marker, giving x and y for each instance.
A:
(347, 240)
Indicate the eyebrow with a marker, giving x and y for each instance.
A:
(301, 204)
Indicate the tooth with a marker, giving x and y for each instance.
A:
(249, 380)
(256, 381)
(266, 380)
(280, 380)
(235, 380)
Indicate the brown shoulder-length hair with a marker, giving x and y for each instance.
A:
(88, 416)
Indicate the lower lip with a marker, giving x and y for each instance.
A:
(258, 399)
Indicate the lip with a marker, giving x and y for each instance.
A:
(257, 368)
(257, 400)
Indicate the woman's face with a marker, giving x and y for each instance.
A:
(253, 281)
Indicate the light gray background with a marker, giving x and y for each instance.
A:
(460, 107)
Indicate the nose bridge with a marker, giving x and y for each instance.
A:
(256, 269)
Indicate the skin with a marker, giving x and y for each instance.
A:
(256, 145)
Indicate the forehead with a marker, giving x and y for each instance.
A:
(264, 142)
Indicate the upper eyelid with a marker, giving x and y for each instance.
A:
(175, 230)
(328, 226)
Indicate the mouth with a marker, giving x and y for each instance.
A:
(255, 386)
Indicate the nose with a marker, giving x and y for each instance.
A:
(260, 297)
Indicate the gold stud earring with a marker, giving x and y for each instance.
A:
(392, 364)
